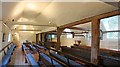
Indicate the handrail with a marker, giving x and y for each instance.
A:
(5, 47)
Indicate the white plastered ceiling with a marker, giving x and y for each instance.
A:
(50, 13)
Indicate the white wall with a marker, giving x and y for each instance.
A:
(3, 29)
(0, 35)
(70, 41)
(21, 36)
(105, 43)
(6, 31)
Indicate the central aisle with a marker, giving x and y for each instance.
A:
(18, 58)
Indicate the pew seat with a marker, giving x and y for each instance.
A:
(65, 60)
(41, 47)
(31, 60)
(6, 58)
(50, 61)
(10, 51)
(107, 61)
(24, 47)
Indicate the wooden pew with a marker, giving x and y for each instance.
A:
(106, 52)
(109, 61)
(84, 55)
(78, 60)
(7, 56)
(31, 60)
(105, 60)
(49, 61)
(66, 60)
(29, 57)
(87, 63)
(42, 49)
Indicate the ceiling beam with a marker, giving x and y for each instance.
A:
(78, 28)
(86, 20)
(33, 24)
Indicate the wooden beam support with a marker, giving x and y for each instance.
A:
(37, 38)
(59, 33)
(95, 41)
(78, 28)
(86, 20)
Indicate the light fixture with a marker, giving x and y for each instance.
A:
(31, 6)
(24, 27)
(22, 20)
(49, 22)
(15, 26)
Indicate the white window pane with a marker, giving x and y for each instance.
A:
(109, 24)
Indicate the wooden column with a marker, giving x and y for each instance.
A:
(59, 32)
(42, 34)
(95, 41)
(37, 38)
(119, 29)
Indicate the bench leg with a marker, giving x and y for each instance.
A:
(9, 59)
(25, 60)
(12, 53)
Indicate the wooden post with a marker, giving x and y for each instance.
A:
(95, 41)
(59, 32)
(37, 38)
(119, 29)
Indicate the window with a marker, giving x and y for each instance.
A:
(110, 24)
(109, 29)
(9, 37)
(112, 35)
(69, 35)
(53, 36)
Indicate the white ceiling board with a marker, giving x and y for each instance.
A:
(67, 12)
(57, 13)
(59, 0)
(33, 9)
(86, 26)
(11, 10)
